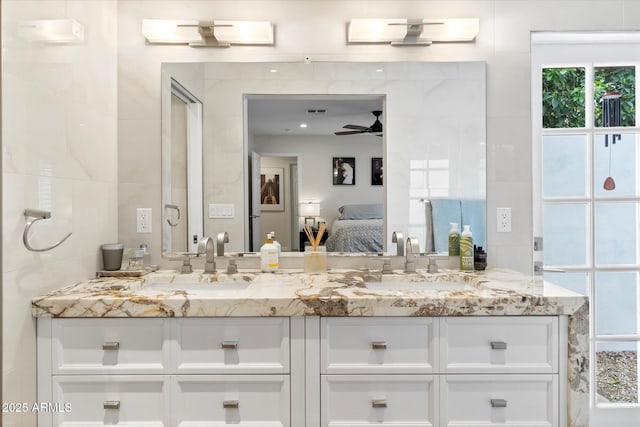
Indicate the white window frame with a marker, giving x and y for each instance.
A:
(587, 50)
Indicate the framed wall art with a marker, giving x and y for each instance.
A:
(344, 171)
(271, 189)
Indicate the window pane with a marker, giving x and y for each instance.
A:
(616, 303)
(564, 165)
(563, 97)
(615, 233)
(614, 85)
(617, 372)
(565, 234)
(576, 282)
(617, 161)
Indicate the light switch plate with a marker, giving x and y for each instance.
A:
(221, 210)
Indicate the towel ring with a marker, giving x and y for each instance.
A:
(37, 215)
(174, 207)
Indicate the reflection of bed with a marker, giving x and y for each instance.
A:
(355, 235)
(357, 229)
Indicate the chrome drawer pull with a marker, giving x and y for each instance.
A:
(230, 404)
(498, 403)
(379, 345)
(110, 346)
(111, 404)
(498, 345)
(229, 345)
(379, 403)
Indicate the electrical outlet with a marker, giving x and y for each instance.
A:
(504, 220)
(143, 223)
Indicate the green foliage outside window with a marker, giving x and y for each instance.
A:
(563, 95)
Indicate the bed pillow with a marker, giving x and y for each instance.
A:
(365, 211)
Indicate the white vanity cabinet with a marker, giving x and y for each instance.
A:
(169, 372)
(309, 371)
(461, 371)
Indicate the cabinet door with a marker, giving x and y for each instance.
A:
(220, 400)
(100, 400)
(376, 345)
(109, 346)
(364, 400)
(232, 345)
(509, 344)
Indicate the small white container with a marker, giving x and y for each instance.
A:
(269, 257)
(315, 261)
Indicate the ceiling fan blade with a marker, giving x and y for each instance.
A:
(355, 127)
(350, 132)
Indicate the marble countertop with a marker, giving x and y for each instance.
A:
(340, 292)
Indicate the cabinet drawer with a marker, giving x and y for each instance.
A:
(96, 400)
(201, 400)
(109, 346)
(362, 400)
(377, 345)
(499, 345)
(233, 345)
(500, 400)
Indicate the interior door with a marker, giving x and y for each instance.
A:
(254, 209)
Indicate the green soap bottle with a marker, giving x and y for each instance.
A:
(454, 240)
(466, 249)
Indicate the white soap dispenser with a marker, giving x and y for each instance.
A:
(269, 259)
(466, 249)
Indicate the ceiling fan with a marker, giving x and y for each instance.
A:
(375, 128)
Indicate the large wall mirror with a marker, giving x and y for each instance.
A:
(424, 166)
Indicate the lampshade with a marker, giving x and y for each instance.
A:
(309, 209)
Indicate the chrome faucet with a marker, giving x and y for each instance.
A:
(410, 262)
(205, 246)
(397, 238)
(223, 237)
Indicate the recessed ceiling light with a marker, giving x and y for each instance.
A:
(273, 70)
(303, 125)
(379, 70)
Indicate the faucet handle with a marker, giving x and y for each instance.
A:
(433, 266)
(232, 267)
(386, 265)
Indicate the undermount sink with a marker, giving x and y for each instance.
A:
(418, 286)
(218, 288)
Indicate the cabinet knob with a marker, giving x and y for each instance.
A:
(229, 345)
(498, 403)
(379, 403)
(230, 404)
(111, 346)
(111, 404)
(379, 345)
(498, 345)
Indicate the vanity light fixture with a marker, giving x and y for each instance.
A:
(412, 32)
(63, 31)
(215, 33)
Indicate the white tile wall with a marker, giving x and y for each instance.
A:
(59, 152)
